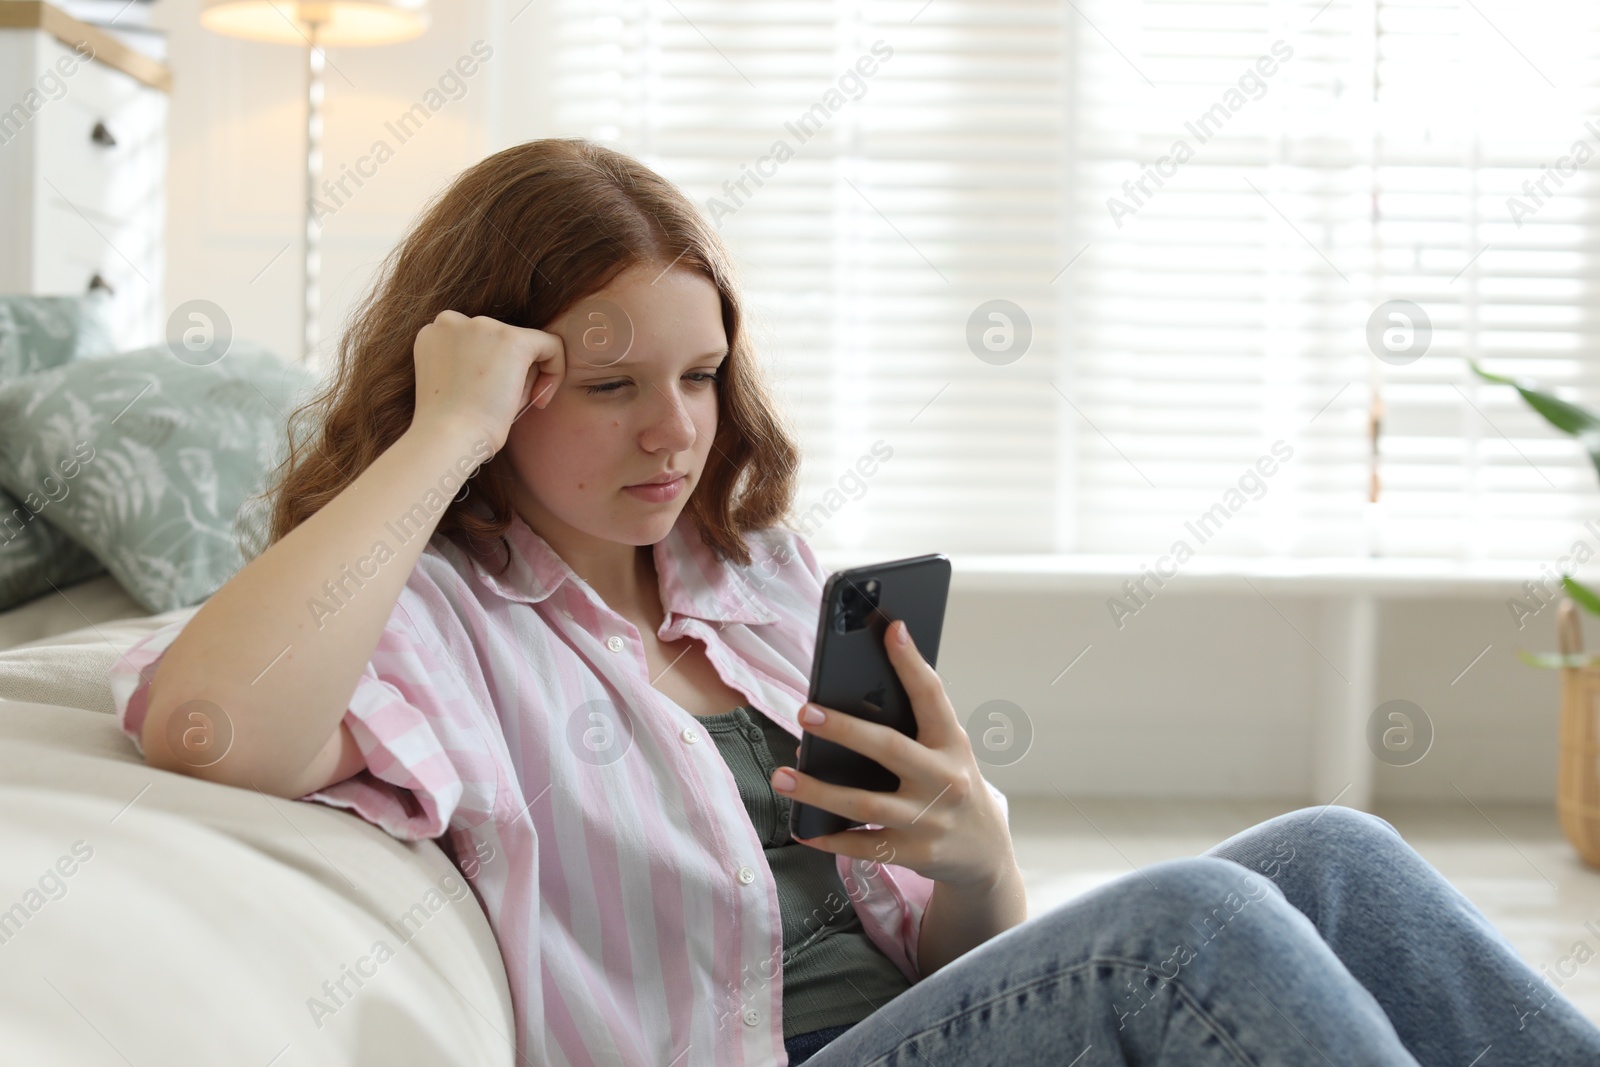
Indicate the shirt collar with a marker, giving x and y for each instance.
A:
(692, 580)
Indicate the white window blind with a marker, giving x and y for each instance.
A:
(1181, 323)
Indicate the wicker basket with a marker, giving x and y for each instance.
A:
(1578, 757)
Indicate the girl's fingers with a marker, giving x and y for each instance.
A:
(906, 757)
(936, 716)
(863, 805)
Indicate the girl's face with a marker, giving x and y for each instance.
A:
(639, 398)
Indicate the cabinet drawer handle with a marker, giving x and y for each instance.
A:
(102, 136)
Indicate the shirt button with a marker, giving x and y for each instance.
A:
(751, 1017)
(567, 613)
(689, 735)
(614, 643)
(746, 875)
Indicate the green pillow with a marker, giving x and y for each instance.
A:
(40, 332)
(37, 333)
(35, 557)
(147, 460)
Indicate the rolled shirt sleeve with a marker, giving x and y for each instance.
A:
(419, 724)
(131, 674)
(423, 728)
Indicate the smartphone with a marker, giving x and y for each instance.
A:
(851, 671)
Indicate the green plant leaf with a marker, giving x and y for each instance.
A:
(1568, 418)
(1583, 596)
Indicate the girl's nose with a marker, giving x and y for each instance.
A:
(674, 425)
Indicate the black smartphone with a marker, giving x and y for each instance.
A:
(851, 671)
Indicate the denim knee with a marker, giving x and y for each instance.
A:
(1177, 896)
(1336, 824)
(1169, 910)
(1170, 893)
(1197, 880)
(1323, 859)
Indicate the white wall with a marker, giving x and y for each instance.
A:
(1204, 695)
(1211, 695)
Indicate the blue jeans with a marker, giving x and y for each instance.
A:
(1316, 937)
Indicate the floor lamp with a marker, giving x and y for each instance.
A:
(316, 26)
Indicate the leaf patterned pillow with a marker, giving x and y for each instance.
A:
(147, 461)
(35, 557)
(40, 332)
(36, 333)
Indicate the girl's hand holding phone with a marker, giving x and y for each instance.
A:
(484, 373)
(942, 822)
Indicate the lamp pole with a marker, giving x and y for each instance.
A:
(317, 23)
(313, 227)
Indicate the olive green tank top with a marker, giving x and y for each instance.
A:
(833, 973)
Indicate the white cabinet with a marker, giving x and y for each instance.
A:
(83, 168)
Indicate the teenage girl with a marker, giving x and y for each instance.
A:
(529, 592)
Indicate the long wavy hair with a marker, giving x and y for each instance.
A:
(521, 237)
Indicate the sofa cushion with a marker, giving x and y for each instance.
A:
(185, 923)
(88, 603)
(73, 669)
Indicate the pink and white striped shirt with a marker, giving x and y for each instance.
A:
(598, 825)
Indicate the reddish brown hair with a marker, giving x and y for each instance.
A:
(521, 237)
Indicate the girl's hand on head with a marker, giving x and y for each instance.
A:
(483, 373)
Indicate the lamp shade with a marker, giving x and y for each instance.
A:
(328, 22)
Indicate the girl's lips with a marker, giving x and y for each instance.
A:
(657, 494)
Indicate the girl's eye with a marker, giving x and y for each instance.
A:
(705, 377)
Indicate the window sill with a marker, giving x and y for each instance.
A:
(1394, 576)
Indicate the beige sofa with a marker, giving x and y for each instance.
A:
(151, 918)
